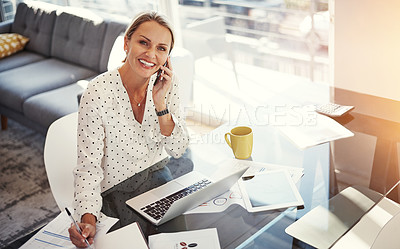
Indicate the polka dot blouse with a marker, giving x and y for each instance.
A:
(112, 145)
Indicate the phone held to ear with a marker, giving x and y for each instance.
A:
(160, 71)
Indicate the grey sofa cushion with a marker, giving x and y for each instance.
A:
(78, 40)
(17, 85)
(37, 23)
(114, 29)
(49, 106)
(19, 59)
(5, 27)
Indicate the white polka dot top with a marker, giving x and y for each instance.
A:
(112, 145)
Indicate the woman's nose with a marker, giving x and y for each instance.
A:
(151, 52)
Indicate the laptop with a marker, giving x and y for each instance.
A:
(175, 197)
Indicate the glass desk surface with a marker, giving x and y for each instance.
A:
(368, 161)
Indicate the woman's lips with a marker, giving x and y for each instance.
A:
(146, 63)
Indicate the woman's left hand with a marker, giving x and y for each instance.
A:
(161, 87)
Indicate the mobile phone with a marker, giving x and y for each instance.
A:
(160, 71)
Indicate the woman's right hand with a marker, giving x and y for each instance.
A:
(88, 228)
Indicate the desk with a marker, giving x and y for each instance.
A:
(328, 169)
(238, 228)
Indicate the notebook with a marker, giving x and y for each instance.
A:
(172, 199)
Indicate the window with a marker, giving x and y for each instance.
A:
(118, 7)
(7, 10)
(289, 36)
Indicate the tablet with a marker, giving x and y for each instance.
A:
(269, 190)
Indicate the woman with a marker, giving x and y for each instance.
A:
(127, 117)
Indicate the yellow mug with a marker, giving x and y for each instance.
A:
(241, 141)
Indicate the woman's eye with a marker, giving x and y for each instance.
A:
(162, 49)
(143, 42)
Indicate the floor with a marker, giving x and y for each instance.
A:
(219, 97)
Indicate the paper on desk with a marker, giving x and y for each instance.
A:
(257, 167)
(55, 234)
(313, 131)
(199, 239)
(234, 196)
(127, 237)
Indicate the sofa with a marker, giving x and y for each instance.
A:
(67, 47)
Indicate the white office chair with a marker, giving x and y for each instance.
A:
(388, 237)
(207, 38)
(60, 157)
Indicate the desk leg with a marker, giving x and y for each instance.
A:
(333, 185)
(385, 171)
(316, 176)
(3, 122)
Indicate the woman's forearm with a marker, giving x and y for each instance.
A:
(167, 124)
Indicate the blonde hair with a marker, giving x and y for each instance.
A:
(147, 17)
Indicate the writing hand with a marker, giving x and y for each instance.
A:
(88, 228)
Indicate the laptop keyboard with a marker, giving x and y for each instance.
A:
(159, 208)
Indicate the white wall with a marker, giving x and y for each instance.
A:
(365, 53)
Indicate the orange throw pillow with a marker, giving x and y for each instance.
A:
(11, 43)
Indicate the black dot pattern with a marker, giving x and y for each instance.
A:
(112, 145)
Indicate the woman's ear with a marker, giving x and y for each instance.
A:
(126, 47)
(126, 41)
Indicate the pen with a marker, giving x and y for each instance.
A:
(77, 227)
(245, 178)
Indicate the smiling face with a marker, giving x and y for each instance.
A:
(148, 48)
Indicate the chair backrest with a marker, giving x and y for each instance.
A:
(214, 25)
(388, 237)
(206, 37)
(60, 156)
